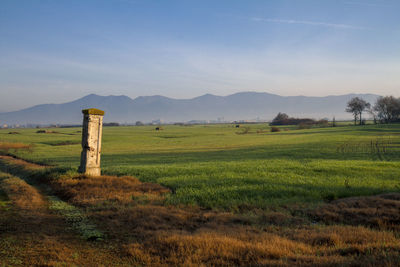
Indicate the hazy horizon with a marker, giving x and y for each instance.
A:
(252, 106)
(59, 51)
(176, 98)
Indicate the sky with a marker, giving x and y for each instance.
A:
(58, 51)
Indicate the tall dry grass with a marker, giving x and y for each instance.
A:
(339, 245)
(142, 231)
(381, 211)
(22, 194)
(82, 190)
(7, 146)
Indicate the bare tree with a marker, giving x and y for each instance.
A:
(371, 111)
(387, 108)
(357, 106)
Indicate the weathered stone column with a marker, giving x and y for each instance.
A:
(91, 141)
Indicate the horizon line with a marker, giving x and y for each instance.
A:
(239, 92)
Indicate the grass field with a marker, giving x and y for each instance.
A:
(204, 195)
(216, 166)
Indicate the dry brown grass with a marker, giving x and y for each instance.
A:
(19, 163)
(142, 231)
(244, 246)
(381, 211)
(215, 249)
(82, 190)
(32, 235)
(169, 236)
(6, 147)
(342, 236)
(44, 239)
(21, 194)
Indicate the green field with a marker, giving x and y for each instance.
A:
(224, 168)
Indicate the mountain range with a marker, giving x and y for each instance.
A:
(239, 106)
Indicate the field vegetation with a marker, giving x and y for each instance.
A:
(211, 195)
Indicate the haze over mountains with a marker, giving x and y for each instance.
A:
(239, 106)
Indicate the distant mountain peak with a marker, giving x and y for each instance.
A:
(92, 95)
(205, 96)
(239, 106)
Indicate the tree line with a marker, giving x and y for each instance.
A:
(284, 119)
(385, 110)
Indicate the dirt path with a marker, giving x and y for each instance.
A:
(34, 234)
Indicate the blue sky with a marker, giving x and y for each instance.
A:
(57, 51)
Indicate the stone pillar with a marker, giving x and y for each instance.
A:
(91, 141)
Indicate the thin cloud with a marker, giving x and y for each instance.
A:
(366, 4)
(306, 22)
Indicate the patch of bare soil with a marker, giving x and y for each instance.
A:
(381, 211)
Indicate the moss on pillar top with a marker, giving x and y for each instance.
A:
(93, 111)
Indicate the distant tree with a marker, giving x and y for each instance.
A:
(284, 119)
(357, 106)
(139, 123)
(111, 124)
(334, 122)
(373, 113)
(280, 119)
(387, 109)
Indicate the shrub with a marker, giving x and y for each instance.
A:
(275, 129)
(245, 130)
(323, 122)
(304, 126)
(284, 119)
(46, 131)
